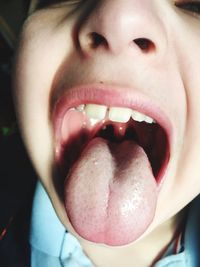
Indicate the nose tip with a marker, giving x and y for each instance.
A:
(118, 25)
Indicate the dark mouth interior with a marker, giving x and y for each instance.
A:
(151, 137)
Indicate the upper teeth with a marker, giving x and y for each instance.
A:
(115, 114)
(96, 111)
(119, 114)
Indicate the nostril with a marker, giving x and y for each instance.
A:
(144, 44)
(96, 40)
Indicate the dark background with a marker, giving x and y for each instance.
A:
(17, 178)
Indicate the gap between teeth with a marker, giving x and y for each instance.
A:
(98, 113)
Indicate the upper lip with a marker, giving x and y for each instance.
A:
(111, 96)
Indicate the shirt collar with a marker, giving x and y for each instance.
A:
(192, 235)
(46, 231)
(51, 244)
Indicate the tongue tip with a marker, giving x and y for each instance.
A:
(114, 236)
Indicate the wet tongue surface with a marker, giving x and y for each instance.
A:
(111, 193)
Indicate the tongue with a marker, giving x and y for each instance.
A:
(111, 193)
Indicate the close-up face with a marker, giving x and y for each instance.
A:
(107, 97)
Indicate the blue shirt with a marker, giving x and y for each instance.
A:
(53, 246)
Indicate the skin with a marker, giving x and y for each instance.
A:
(49, 55)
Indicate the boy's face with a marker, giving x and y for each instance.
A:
(137, 55)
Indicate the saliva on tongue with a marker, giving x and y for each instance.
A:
(111, 193)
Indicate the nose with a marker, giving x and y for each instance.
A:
(118, 25)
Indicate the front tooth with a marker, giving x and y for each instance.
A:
(119, 114)
(97, 112)
(80, 108)
(137, 116)
(149, 119)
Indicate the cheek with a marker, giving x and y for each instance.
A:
(188, 53)
(191, 78)
(38, 61)
(185, 183)
(188, 172)
(190, 158)
(32, 88)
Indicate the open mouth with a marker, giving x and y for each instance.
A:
(112, 159)
(86, 122)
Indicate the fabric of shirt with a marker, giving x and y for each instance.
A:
(53, 246)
